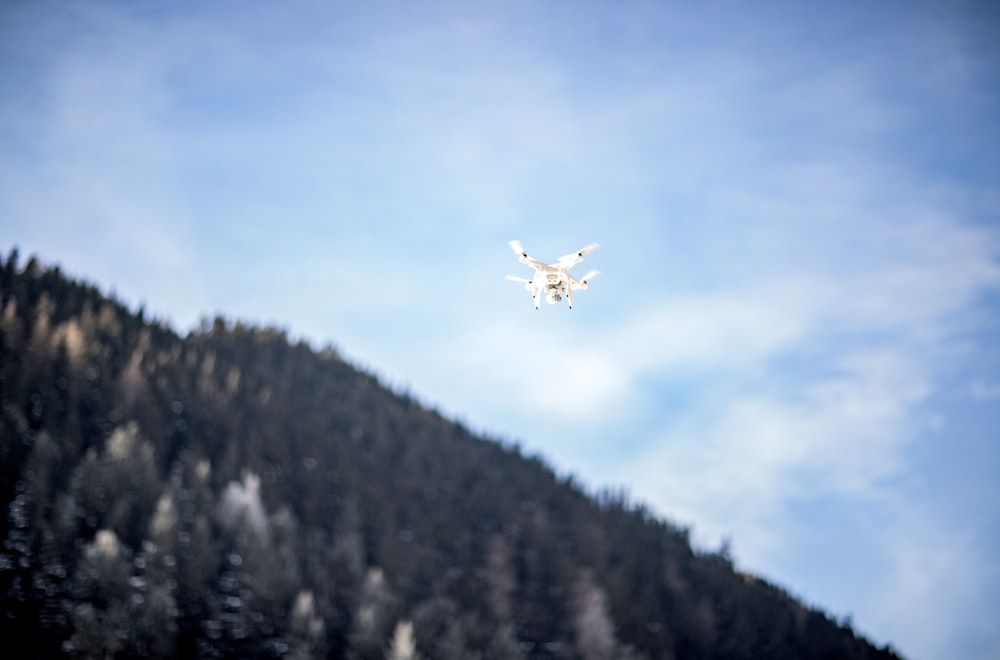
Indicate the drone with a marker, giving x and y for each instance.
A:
(553, 280)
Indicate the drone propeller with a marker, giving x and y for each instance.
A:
(517, 248)
(575, 257)
(514, 278)
(585, 278)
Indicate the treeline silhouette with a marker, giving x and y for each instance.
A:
(235, 494)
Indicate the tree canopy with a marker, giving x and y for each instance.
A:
(235, 494)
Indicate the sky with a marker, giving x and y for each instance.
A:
(791, 348)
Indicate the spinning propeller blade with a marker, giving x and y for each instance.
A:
(585, 278)
(514, 278)
(517, 248)
(578, 255)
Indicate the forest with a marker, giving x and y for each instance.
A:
(233, 493)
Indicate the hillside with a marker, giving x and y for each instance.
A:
(233, 494)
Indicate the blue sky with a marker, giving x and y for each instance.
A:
(793, 341)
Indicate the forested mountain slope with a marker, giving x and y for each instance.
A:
(232, 494)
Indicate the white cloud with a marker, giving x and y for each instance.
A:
(727, 331)
(985, 390)
(935, 565)
(841, 432)
(539, 368)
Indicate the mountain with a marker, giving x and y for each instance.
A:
(235, 494)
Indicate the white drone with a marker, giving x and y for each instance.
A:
(553, 279)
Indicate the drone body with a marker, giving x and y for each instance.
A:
(553, 280)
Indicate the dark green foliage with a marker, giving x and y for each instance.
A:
(233, 494)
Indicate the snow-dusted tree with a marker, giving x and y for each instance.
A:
(373, 617)
(307, 630)
(500, 578)
(240, 504)
(403, 646)
(101, 616)
(595, 634)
